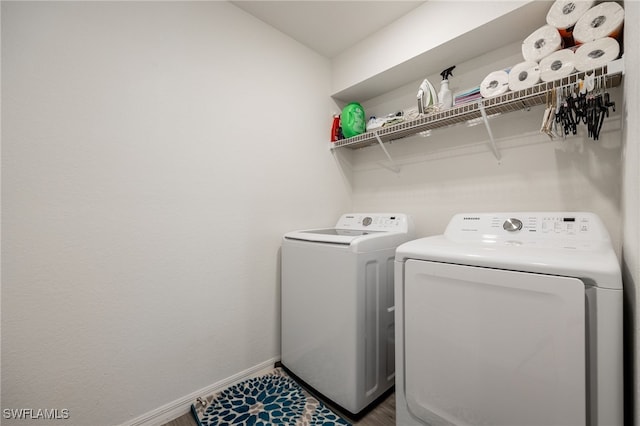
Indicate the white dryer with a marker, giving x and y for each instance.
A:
(337, 306)
(510, 319)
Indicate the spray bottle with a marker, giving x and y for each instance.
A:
(445, 96)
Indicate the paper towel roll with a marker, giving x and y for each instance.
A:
(557, 65)
(524, 75)
(597, 53)
(495, 84)
(542, 42)
(603, 20)
(564, 14)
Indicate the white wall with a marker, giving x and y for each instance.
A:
(153, 155)
(631, 209)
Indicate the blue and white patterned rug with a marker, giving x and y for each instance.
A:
(272, 399)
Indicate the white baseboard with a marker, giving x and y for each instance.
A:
(177, 408)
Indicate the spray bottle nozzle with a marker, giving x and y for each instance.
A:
(446, 73)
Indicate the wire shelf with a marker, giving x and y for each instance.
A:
(508, 102)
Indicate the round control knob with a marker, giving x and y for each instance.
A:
(512, 225)
(366, 221)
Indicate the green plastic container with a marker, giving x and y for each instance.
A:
(353, 120)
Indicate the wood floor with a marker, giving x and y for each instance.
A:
(384, 414)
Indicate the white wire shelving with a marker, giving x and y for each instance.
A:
(610, 75)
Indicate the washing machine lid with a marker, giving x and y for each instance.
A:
(329, 235)
(360, 228)
(574, 244)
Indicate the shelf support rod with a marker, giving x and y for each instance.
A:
(492, 142)
(394, 167)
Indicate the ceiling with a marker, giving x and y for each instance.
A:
(329, 27)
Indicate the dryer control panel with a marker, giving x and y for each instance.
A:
(527, 226)
(381, 222)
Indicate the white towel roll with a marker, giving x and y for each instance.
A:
(541, 43)
(524, 75)
(494, 84)
(564, 14)
(603, 20)
(596, 53)
(557, 65)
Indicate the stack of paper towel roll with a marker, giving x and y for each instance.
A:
(594, 30)
(579, 22)
(604, 20)
(577, 36)
(564, 14)
(597, 32)
(521, 76)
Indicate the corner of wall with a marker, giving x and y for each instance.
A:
(630, 208)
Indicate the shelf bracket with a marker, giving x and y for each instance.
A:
(492, 142)
(393, 167)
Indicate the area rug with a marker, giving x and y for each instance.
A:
(271, 399)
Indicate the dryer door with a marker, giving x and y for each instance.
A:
(492, 347)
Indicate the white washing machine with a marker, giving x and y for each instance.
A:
(337, 306)
(510, 319)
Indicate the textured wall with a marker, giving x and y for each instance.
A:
(153, 155)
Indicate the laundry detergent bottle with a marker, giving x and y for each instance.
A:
(353, 120)
(444, 95)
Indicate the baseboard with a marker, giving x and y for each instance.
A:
(181, 406)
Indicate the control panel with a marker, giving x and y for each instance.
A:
(521, 226)
(374, 222)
